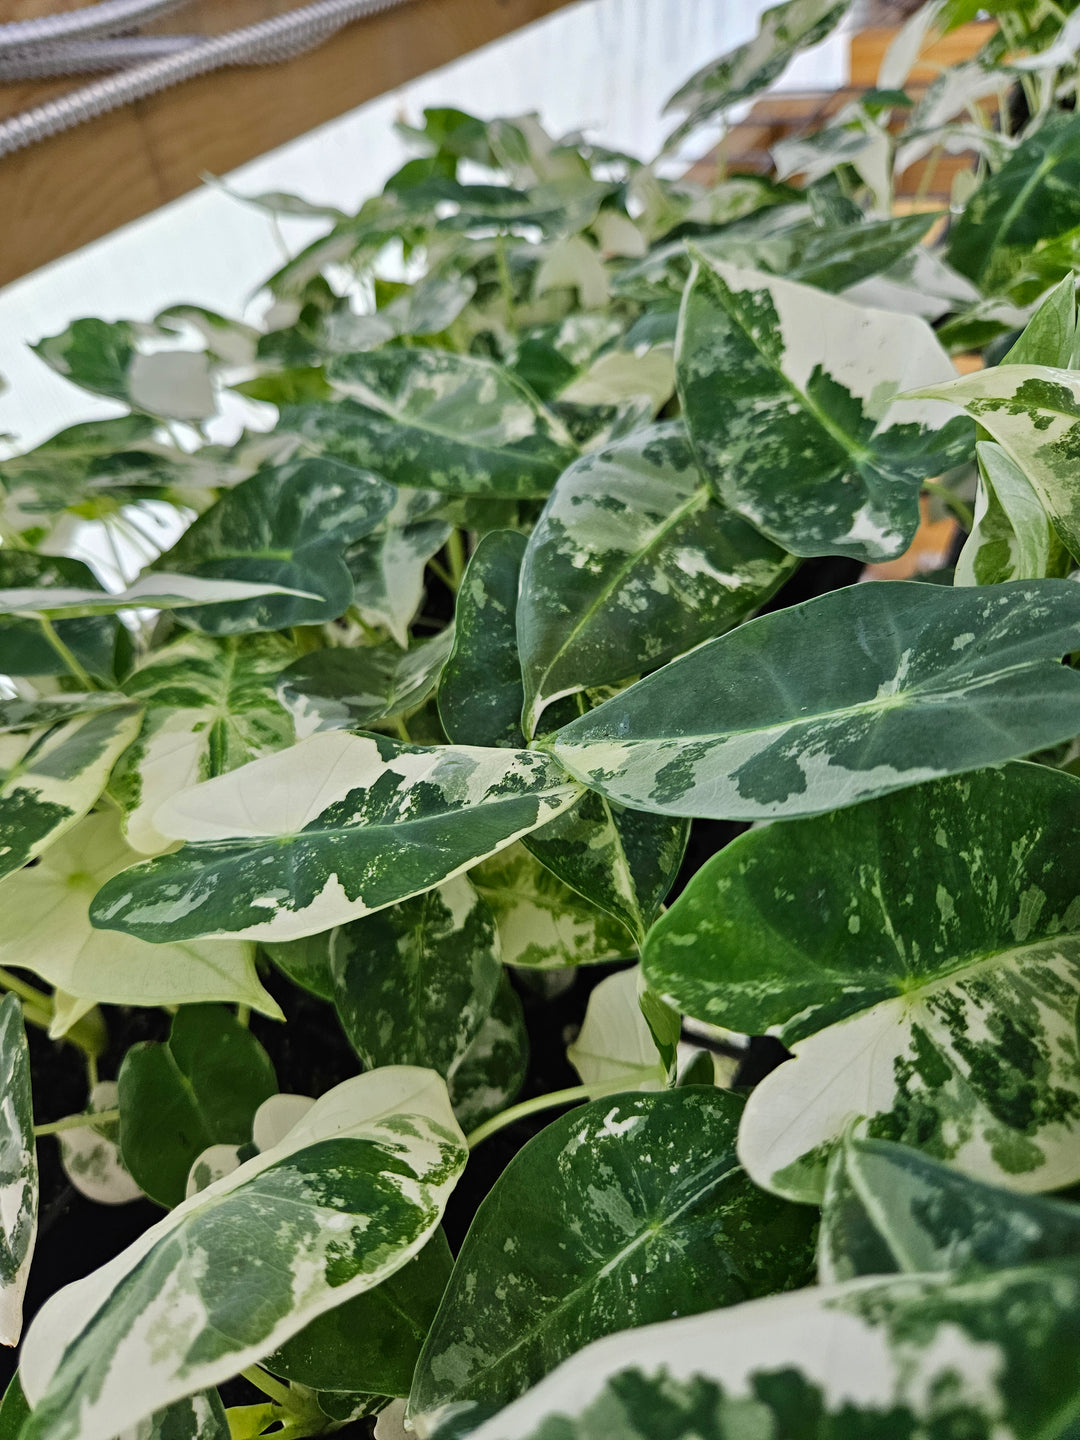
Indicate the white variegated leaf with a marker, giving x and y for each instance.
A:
(18, 1170)
(345, 1200)
(209, 707)
(50, 778)
(153, 591)
(615, 1043)
(91, 1156)
(47, 930)
(328, 831)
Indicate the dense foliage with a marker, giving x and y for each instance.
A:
(405, 707)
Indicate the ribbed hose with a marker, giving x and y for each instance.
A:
(89, 57)
(264, 43)
(110, 17)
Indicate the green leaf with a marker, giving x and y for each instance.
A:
(783, 31)
(370, 1344)
(837, 259)
(354, 1192)
(18, 1170)
(306, 962)
(201, 1087)
(13, 1410)
(198, 1417)
(47, 930)
(1034, 197)
(1012, 537)
(889, 1209)
(152, 591)
(616, 1214)
(44, 711)
(1033, 412)
(631, 563)
(286, 528)
(50, 778)
(543, 924)
(1050, 336)
(800, 431)
(480, 689)
(327, 831)
(865, 690)
(487, 1078)
(100, 644)
(916, 954)
(102, 358)
(209, 708)
(615, 1043)
(446, 422)
(414, 982)
(343, 689)
(429, 306)
(904, 1356)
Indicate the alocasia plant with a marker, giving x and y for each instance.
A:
(430, 723)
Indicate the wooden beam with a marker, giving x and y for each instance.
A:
(73, 188)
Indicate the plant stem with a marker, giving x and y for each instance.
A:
(243, 1015)
(26, 992)
(49, 631)
(275, 1389)
(544, 1102)
(443, 574)
(455, 554)
(77, 1122)
(398, 722)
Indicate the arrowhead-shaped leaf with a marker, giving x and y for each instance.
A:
(327, 831)
(631, 563)
(917, 955)
(345, 1200)
(286, 528)
(47, 929)
(445, 422)
(865, 690)
(790, 400)
(634, 1207)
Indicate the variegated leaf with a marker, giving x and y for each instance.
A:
(288, 527)
(18, 1170)
(543, 924)
(1034, 197)
(199, 1088)
(917, 955)
(209, 707)
(351, 688)
(888, 1209)
(47, 930)
(445, 422)
(487, 1078)
(50, 778)
(905, 1355)
(631, 563)
(327, 831)
(91, 1156)
(414, 982)
(1012, 538)
(863, 691)
(101, 645)
(197, 1417)
(783, 31)
(388, 565)
(47, 710)
(102, 357)
(1033, 412)
(352, 1193)
(480, 688)
(633, 1208)
(155, 590)
(615, 1047)
(790, 400)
